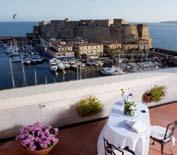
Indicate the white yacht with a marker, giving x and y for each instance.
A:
(16, 59)
(60, 65)
(66, 64)
(26, 60)
(75, 66)
(72, 61)
(111, 71)
(53, 67)
(51, 61)
(100, 63)
(36, 58)
(53, 64)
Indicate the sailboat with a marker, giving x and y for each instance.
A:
(13, 49)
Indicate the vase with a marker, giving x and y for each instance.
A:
(40, 152)
(146, 98)
(129, 112)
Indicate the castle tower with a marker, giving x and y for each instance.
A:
(143, 31)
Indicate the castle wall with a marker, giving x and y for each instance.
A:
(94, 33)
(66, 33)
(116, 33)
(130, 33)
(97, 30)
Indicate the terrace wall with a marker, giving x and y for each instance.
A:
(55, 103)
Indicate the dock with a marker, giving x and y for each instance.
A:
(169, 56)
(5, 39)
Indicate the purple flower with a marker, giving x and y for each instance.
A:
(37, 136)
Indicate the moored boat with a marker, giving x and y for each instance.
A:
(53, 67)
(111, 71)
(60, 65)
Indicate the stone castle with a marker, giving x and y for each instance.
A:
(97, 31)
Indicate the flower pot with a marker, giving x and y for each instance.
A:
(40, 152)
(146, 98)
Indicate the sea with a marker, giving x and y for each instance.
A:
(163, 36)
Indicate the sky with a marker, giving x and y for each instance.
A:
(131, 10)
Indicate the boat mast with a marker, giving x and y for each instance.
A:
(11, 72)
(77, 72)
(46, 80)
(80, 74)
(35, 77)
(24, 75)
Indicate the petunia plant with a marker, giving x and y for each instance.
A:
(37, 137)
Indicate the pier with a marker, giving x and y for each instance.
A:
(169, 56)
(7, 38)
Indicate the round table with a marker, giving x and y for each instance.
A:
(120, 134)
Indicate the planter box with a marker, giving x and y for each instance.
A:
(146, 98)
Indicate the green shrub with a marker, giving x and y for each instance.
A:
(156, 93)
(89, 106)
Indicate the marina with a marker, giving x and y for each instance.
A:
(17, 74)
(26, 67)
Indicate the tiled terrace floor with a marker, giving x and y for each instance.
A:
(82, 140)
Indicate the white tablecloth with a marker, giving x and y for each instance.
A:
(118, 133)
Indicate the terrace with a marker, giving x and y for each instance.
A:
(54, 104)
(85, 143)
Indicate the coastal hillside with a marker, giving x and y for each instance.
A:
(169, 22)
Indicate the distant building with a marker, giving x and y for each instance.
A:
(77, 40)
(61, 48)
(112, 48)
(90, 49)
(145, 45)
(130, 46)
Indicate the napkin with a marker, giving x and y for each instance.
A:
(138, 126)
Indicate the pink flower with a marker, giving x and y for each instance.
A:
(37, 136)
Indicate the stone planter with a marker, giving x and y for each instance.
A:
(40, 152)
(146, 98)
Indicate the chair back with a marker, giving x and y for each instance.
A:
(110, 149)
(170, 130)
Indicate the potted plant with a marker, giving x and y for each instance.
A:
(37, 139)
(89, 106)
(155, 94)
